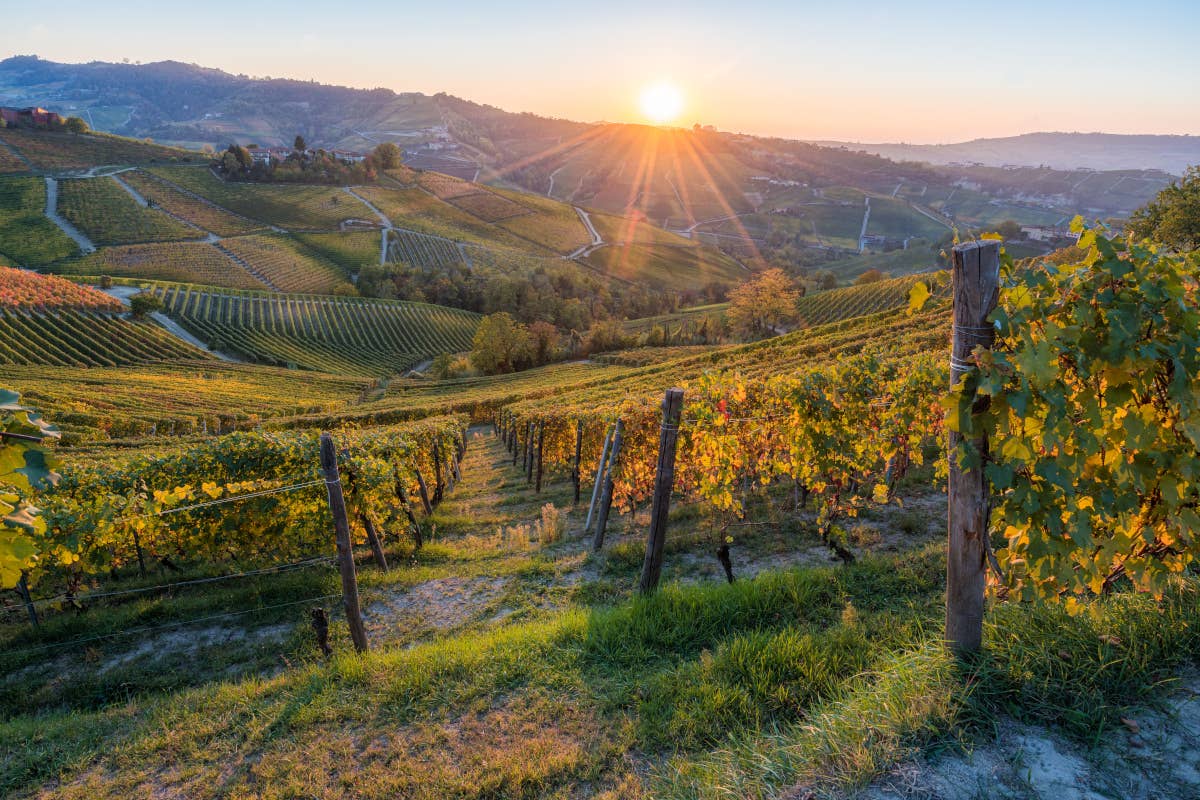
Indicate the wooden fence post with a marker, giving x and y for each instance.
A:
(341, 526)
(976, 274)
(607, 493)
(515, 445)
(599, 480)
(664, 478)
(575, 476)
(541, 438)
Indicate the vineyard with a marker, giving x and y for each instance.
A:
(184, 262)
(107, 214)
(29, 291)
(423, 250)
(353, 337)
(27, 238)
(294, 207)
(48, 150)
(286, 266)
(85, 339)
(351, 251)
(176, 398)
(833, 305)
(417, 210)
(185, 205)
(791, 494)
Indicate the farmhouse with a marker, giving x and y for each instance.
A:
(30, 117)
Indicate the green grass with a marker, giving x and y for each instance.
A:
(759, 685)
(27, 238)
(919, 257)
(897, 220)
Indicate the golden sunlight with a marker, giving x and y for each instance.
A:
(661, 102)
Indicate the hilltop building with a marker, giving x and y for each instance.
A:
(32, 117)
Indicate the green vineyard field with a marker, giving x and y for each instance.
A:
(107, 214)
(85, 339)
(287, 266)
(27, 238)
(373, 338)
(190, 207)
(50, 150)
(183, 262)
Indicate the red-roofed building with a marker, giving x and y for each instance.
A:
(30, 117)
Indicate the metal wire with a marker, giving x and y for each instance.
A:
(222, 501)
(153, 628)
(164, 586)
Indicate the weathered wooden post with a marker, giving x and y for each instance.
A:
(599, 480)
(365, 520)
(515, 444)
(664, 478)
(341, 527)
(575, 476)
(541, 438)
(607, 493)
(976, 274)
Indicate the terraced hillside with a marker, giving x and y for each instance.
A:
(55, 151)
(185, 262)
(373, 338)
(175, 398)
(49, 321)
(107, 214)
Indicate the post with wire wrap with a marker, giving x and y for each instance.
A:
(976, 274)
(341, 526)
(664, 477)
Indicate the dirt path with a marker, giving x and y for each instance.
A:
(124, 293)
(597, 241)
(383, 218)
(1152, 756)
(862, 234)
(85, 244)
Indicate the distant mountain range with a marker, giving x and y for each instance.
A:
(1068, 151)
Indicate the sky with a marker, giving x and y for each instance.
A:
(923, 71)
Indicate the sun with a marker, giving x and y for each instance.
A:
(661, 102)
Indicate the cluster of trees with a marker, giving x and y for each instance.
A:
(502, 344)
(1173, 217)
(305, 165)
(69, 124)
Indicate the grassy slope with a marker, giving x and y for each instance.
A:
(27, 238)
(505, 667)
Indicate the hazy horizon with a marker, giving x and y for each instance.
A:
(880, 75)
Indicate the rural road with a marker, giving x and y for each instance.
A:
(84, 243)
(124, 293)
(387, 223)
(597, 240)
(866, 218)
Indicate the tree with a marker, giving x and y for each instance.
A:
(76, 125)
(299, 145)
(387, 155)
(759, 306)
(145, 303)
(543, 339)
(870, 276)
(1173, 217)
(1010, 229)
(501, 344)
(825, 280)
